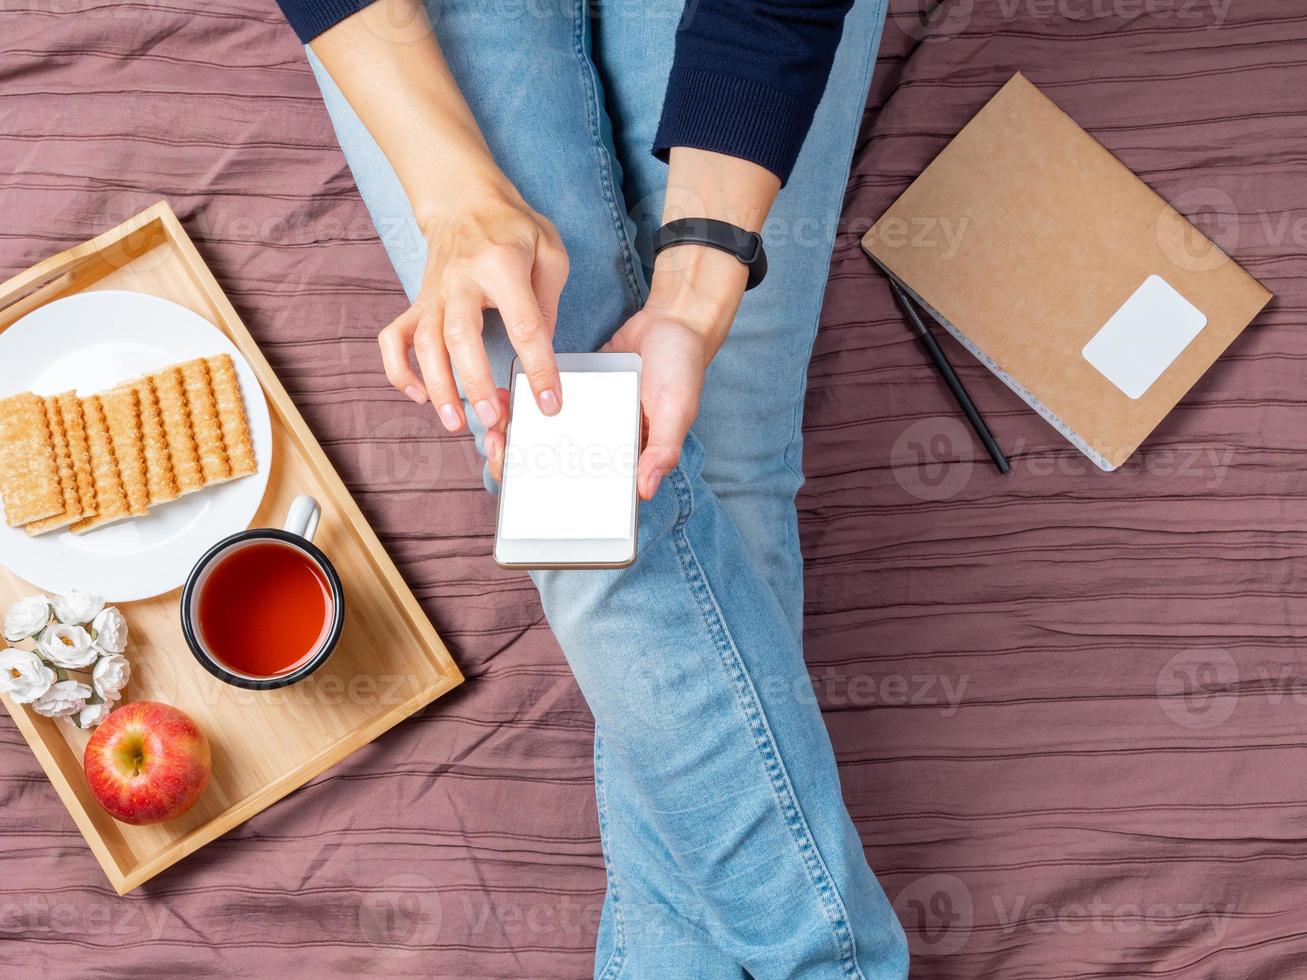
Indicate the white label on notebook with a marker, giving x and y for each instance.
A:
(1144, 337)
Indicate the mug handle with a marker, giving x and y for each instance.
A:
(302, 518)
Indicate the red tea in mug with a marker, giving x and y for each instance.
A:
(264, 609)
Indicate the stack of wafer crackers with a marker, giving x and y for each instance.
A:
(83, 463)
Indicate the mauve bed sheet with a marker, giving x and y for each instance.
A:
(1068, 706)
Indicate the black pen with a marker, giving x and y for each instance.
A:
(950, 376)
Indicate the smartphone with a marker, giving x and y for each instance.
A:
(568, 495)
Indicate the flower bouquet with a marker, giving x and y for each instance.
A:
(74, 667)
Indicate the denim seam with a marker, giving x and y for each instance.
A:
(829, 899)
(617, 958)
(590, 85)
(796, 422)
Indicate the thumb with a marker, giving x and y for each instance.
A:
(670, 417)
(618, 343)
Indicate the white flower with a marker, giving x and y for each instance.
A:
(93, 714)
(110, 630)
(68, 646)
(64, 698)
(77, 608)
(24, 676)
(27, 617)
(110, 676)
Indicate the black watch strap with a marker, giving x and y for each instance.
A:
(744, 245)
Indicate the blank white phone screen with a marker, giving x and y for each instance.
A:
(571, 476)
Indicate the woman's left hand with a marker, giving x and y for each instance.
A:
(675, 354)
(692, 301)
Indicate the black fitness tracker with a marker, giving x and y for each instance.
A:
(722, 235)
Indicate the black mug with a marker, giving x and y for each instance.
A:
(297, 535)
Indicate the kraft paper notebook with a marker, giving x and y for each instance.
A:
(1077, 285)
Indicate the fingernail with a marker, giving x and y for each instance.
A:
(449, 415)
(416, 393)
(653, 487)
(486, 412)
(549, 402)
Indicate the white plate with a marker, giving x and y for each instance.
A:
(91, 342)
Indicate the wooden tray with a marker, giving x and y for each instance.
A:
(389, 663)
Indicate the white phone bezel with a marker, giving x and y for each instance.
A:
(577, 552)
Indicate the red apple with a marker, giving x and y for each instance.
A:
(147, 762)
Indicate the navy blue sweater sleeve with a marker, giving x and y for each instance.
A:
(746, 76)
(309, 18)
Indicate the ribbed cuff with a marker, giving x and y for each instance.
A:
(309, 18)
(735, 116)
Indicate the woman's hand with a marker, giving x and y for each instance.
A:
(675, 356)
(491, 252)
(692, 301)
(693, 297)
(486, 247)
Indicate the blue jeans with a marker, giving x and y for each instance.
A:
(726, 839)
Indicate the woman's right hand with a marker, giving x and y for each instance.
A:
(488, 251)
(486, 247)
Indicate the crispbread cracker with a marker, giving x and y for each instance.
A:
(231, 416)
(63, 461)
(158, 461)
(74, 422)
(176, 417)
(89, 462)
(67, 479)
(204, 421)
(122, 415)
(29, 476)
(110, 498)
